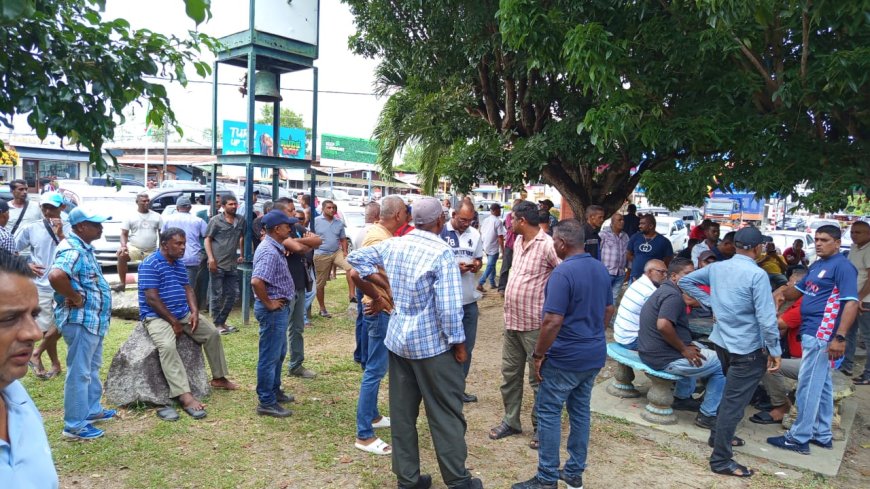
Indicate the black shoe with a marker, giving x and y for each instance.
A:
(282, 398)
(274, 410)
(424, 482)
(534, 483)
(687, 404)
(575, 482)
(706, 422)
(473, 483)
(466, 397)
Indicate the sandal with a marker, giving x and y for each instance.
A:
(377, 447)
(38, 371)
(733, 470)
(763, 417)
(735, 442)
(861, 380)
(535, 443)
(502, 430)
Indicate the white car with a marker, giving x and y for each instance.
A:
(108, 201)
(784, 240)
(673, 228)
(354, 220)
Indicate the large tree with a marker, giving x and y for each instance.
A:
(72, 73)
(594, 97)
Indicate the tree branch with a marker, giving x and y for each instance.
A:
(805, 43)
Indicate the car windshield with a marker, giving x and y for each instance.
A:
(720, 205)
(663, 227)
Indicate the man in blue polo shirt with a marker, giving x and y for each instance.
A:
(168, 309)
(830, 305)
(577, 306)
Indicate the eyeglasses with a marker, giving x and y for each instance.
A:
(659, 270)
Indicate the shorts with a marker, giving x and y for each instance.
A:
(323, 266)
(45, 319)
(136, 254)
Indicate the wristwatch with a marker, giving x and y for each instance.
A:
(840, 338)
(536, 356)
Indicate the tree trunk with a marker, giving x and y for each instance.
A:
(580, 194)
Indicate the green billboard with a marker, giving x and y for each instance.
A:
(348, 149)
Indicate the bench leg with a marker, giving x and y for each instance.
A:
(660, 397)
(622, 384)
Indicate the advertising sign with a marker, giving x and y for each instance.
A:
(291, 144)
(348, 149)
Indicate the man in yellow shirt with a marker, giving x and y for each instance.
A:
(774, 264)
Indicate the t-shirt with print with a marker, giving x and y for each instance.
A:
(143, 229)
(466, 248)
(665, 303)
(860, 257)
(579, 290)
(828, 285)
(645, 249)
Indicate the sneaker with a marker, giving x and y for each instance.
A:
(575, 482)
(303, 372)
(274, 410)
(105, 415)
(89, 432)
(687, 404)
(534, 483)
(283, 398)
(466, 397)
(829, 445)
(704, 421)
(786, 444)
(423, 482)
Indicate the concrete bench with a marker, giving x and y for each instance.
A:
(660, 396)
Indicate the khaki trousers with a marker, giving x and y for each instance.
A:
(516, 353)
(323, 266)
(206, 334)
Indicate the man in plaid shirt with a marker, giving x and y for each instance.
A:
(614, 244)
(426, 341)
(533, 262)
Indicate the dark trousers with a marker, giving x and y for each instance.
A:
(360, 333)
(224, 289)
(742, 375)
(470, 314)
(506, 261)
(197, 276)
(437, 381)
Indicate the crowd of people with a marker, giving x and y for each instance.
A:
(415, 276)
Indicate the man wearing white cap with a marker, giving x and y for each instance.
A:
(84, 306)
(42, 237)
(426, 343)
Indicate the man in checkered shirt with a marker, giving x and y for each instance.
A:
(426, 341)
(533, 262)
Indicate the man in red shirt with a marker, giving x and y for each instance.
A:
(795, 257)
(777, 383)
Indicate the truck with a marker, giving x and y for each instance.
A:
(734, 209)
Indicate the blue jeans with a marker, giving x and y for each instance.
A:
(815, 394)
(222, 296)
(862, 323)
(361, 350)
(375, 369)
(470, 313)
(489, 271)
(631, 346)
(82, 391)
(309, 298)
(616, 282)
(710, 369)
(560, 389)
(273, 350)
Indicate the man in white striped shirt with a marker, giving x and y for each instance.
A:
(627, 322)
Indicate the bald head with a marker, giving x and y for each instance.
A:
(656, 270)
(373, 211)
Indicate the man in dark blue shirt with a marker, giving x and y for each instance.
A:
(577, 306)
(646, 245)
(830, 305)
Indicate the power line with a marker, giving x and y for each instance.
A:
(239, 85)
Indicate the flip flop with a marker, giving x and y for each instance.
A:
(763, 417)
(502, 430)
(195, 413)
(744, 471)
(167, 413)
(377, 447)
(38, 372)
(861, 381)
(383, 423)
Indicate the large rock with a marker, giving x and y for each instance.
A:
(125, 305)
(135, 374)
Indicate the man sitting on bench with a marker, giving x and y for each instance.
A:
(665, 343)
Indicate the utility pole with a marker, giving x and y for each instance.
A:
(165, 146)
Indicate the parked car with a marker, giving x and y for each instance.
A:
(107, 201)
(358, 195)
(675, 230)
(792, 223)
(784, 240)
(691, 216)
(110, 181)
(164, 197)
(817, 223)
(354, 220)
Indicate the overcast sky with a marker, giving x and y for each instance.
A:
(340, 71)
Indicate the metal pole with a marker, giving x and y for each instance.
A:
(313, 147)
(165, 144)
(276, 135)
(146, 161)
(248, 251)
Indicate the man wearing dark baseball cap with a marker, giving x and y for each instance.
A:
(746, 339)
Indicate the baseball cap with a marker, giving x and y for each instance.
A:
(706, 255)
(80, 215)
(182, 202)
(426, 211)
(750, 237)
(547, 202)
(53, 199)
(275, 218)
(4, 207)
(494, 207)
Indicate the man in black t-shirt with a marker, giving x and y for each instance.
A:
(594, 220)
(665, 343)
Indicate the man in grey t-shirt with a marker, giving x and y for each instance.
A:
(332, 252)
(223, 240)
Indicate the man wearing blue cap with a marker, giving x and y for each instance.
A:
(84, 306)
(274, 291)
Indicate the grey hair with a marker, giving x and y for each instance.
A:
(571, 232)
(391, 205)
(373, 210)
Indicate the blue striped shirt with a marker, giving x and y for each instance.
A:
(427, 292)
(169, 279)
(270, 266)
(77, 260)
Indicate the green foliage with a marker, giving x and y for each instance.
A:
(595, 97)
(72, 73)
(288, 117)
